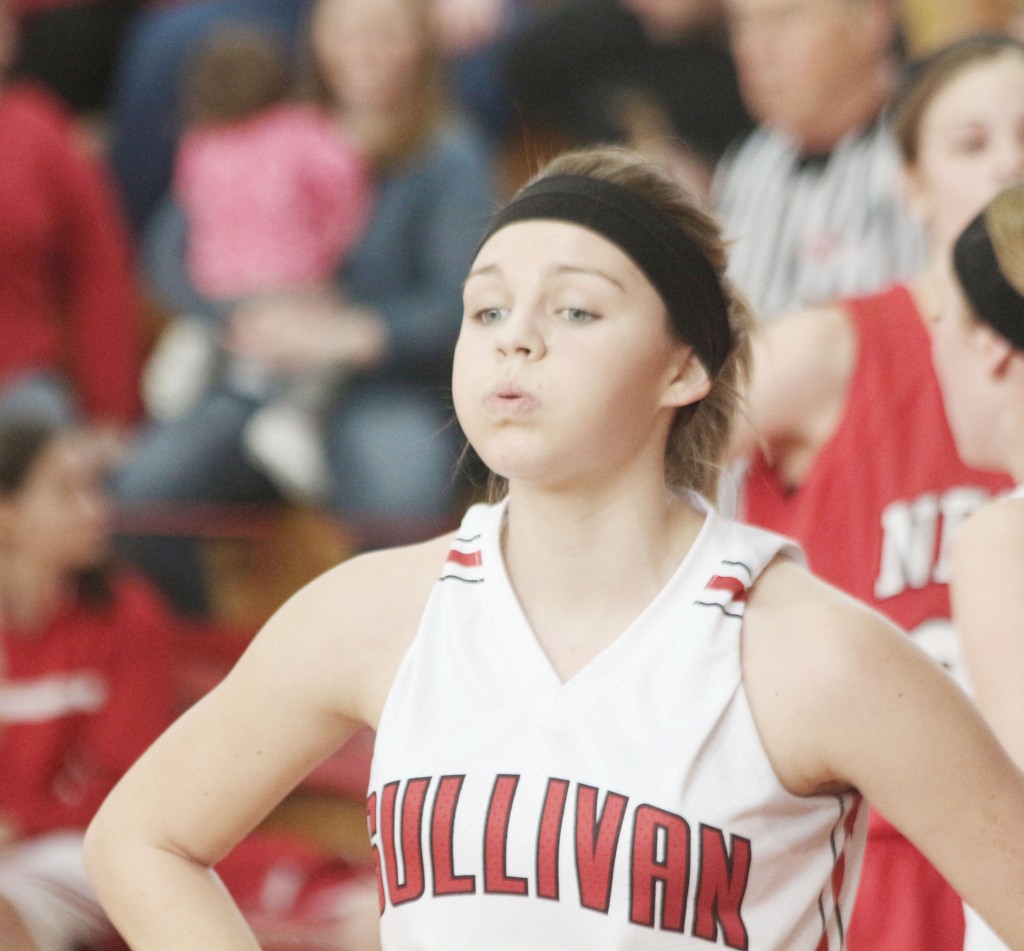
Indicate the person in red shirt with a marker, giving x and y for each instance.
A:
(855, 459)
(86, 681)
(69, 301)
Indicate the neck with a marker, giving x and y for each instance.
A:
(374, 130)
(862, 106)
(28, 594)
(561, 548)
(1012, 436)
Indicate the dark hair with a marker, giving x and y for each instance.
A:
(925, 78)
(22, 443)
(700, 432)
(235, 73)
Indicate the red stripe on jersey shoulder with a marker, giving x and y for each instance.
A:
(734, 586)
(468, 559)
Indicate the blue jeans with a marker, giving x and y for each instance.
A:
(392, 454)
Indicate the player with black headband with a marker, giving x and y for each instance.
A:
(978, 351)
(606, 716)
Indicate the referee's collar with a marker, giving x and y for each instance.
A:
(818, 160)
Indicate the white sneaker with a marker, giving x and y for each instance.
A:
(179, 368)
(285, 442)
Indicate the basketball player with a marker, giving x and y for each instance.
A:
(978, 351)
(606, 716)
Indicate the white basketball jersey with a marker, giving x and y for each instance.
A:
(632, 806)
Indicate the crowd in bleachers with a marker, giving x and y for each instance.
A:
(233, 235)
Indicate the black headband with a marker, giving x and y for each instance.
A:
(992, 297)
(671, 261)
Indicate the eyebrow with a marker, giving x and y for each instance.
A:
(557, 270)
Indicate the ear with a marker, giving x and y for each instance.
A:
(997, 352)
(688, 380)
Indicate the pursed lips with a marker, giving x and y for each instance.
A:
(508, 399)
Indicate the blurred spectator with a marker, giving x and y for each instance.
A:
(70, 47)
(145, 110)
(474, 37)
(857, 461)
(389, 441)
(811, 197)
(634, 71)
(274, 196)
(85, 681)
(69, 314)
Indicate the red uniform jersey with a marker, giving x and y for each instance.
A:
(79, 701)
(874, 516)
(884, 496)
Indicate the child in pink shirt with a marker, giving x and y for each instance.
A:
(274, 196)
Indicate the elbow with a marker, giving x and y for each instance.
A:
(99, 846)
(109, 846)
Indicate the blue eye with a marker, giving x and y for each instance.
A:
(489, 315)
(577, 316)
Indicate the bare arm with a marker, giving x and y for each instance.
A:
(322, 665)
(845, 700)
(801, 371)
(988, 608)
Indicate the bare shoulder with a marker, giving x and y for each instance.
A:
(346, 632)
(817, 666)
(797, 625)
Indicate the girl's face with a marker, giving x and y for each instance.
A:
(60, 516)
(960, 353)
(369, 51)
(971, 145)
(565, 369)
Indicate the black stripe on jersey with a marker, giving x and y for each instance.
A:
(835, 859)
(721, 607)
(821, 914)
(739, 564)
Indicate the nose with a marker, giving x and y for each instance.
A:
(520, 335)
(93, 507)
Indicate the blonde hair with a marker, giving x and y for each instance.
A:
(700, 432)
(1004, 221)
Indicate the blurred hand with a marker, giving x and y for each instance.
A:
(302, 334)
(463, 26)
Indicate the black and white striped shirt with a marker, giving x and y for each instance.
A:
(806, 231)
